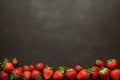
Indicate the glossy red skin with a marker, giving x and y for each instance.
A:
(18, 72)
(77, 68)
(105, 76)
(31, 67)
(95, 75)
(83, 75)
(115, 74)
(39, 66)
(71, 74)
(112, 65)
(8, 67)
(26, 68)
(99, 63)
(4, 76)
(27, 75)
(47, 73)
(95, 68)
(35, 73)
(58, 75)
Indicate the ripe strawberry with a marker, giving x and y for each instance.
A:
(7, 66)
(39, 66)
(70, 74)
(47, 72)
(112, 63)
(99, 63)
(36, 75)
(94, 72)
(95, 68)
(14, 61)
(83, 75)
(104, 73)
(115, 74)
(17, 73)
(26, 75)
(26, 68)
(77, 68)
(31, 67)
(4, 75)
(59, 74)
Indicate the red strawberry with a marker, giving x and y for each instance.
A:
(104, 73)
(26, 75)
(94, 72)
(77, 68)
(17, 73)
(15, 61)
(26, 68)
(71, 74)
(36, 74)
(112, 63)
(31, 67)
(7, 66)
(47, 72)
(115, 74)
(95, 68)
(39, 66)
(83, 75)
(99, 63)
(59, 74)
(4, 75)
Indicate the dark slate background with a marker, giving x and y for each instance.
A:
(60, 32)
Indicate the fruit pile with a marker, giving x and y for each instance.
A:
(101, 70)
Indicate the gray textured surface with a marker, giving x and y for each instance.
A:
(60, 32)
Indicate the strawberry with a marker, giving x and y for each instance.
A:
(99, 63)
(36, 74)
(83, 75)
(7, 66)
(77, 68)
(17, 73)
(14, 61)
(95, 68)
(47, 72)
(112, 63)
(70, 74)
(39, 66)
(104, 73)
(94, 72)
(26, 68)
(115, 74)
(59, 74)
(4, 75)
(31, 67)
(26, 75)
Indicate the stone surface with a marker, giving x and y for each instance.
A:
(60, 32)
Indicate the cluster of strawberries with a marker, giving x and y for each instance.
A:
(107, 70)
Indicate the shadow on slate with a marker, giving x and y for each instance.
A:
(60, 32)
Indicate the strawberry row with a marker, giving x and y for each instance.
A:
(107, 70)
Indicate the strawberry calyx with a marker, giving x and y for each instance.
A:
(103, 70)
(90, 71)
(111, 61)
(63, 69)
(5, 61)
(13, 76)
(38, 77)
(24, 77)
(14, 60)
(48, 67)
